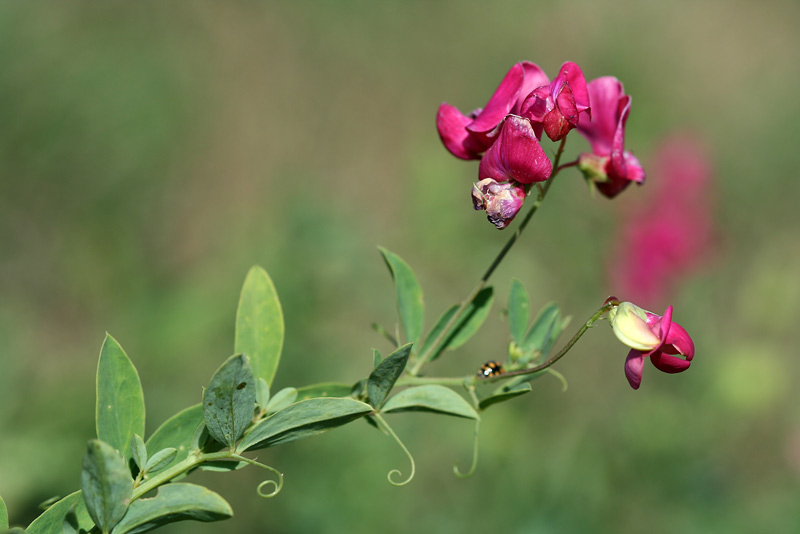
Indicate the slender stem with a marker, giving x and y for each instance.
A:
(194, 459)
(423, 380)
(557, 356)
(567, 165)
(471, 380)
(426, 356)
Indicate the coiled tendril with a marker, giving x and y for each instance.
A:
(394, 472)
(277, 484)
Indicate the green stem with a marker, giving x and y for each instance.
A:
(557, 356)
(426, 356)
(471, 380)
(193, 460)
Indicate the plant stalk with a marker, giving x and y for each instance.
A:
(426, 356)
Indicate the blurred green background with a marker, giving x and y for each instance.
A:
(151, 152)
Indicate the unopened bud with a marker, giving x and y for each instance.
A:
(501, 200)
(593, 167)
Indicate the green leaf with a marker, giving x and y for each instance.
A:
(303, 419)
(259, 324)
(519, 311)
(120, 402)
(139, 451)
(503, 395)
(540, 330)
(3, 514)
(382, 379)
(262, 393)
(161, 459)
(376, 358)
(555, 332)
(106, 483)
(433, 335)
(469, 323)
(174, 502)
(472, 319)
(281, 400)
(430, 398)
(230, 400)
(177, 431)
(325, 389)
(408, 294)
(68, 513)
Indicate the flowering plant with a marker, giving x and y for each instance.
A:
(240, 412)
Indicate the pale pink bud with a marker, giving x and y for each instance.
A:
(501, 200)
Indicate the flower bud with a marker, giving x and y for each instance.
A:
(593, 167)
(630, 325)
(501, 200)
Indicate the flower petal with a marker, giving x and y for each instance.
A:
(613, 186)
(534, 78)
(633, 169)
(618, 143)
(679, 342)
(516, 155)
(634, 364)
(501, 102)
(563, 117)
(635, 329)
(604, 94)
(669, 364)
(665, 325)
(572, 74)
(537, 104)
(451, 124)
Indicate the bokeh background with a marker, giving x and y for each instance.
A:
(151, 152)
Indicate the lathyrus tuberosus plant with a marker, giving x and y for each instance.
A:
(129, 484)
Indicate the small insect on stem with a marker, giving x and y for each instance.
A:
(491, 368)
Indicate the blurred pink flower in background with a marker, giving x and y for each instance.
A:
(668, 234)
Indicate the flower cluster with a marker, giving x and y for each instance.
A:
(665, 342)
(506, 135)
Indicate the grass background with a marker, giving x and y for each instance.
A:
(150, 152)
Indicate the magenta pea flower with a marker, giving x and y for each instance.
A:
(609, 165)
(556, 107)
(468, 136)
(665, 342)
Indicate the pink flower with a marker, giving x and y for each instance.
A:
(609, 165)
(557, 107)
(665, 342)
(468, 136)
(670, 231)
